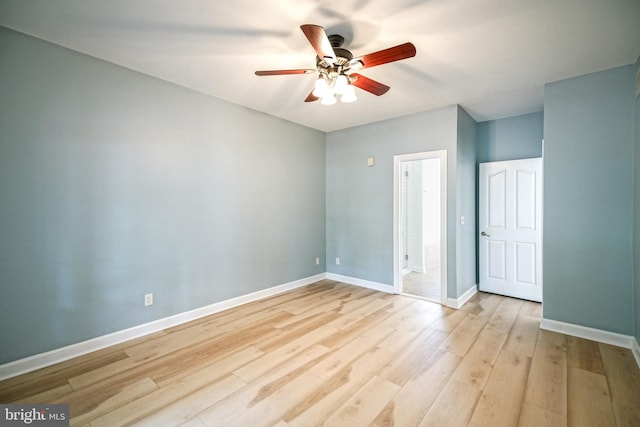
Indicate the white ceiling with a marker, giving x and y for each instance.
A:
(493, 57)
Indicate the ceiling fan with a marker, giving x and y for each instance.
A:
(338, 70)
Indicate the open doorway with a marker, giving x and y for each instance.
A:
(420, 224)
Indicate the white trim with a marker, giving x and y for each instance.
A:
(397, 263)
(361, 282)
(42, 360)
(598, 335)
(462, 300)
(417, 269)
(635, 349)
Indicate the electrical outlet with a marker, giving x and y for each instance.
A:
(337, 261)
(148, 299)
(317, 261)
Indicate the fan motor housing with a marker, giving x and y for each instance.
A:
(336, 40)
(343, 56)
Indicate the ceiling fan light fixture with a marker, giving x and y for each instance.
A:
(337, 68)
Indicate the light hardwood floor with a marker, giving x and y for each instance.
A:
(337, 355)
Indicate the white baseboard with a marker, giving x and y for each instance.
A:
(636, 351)
(42, 360)
(361, 282)
(598, 335)
(462, 300)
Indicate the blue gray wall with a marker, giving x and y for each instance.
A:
(114, 184)
(588, 200)
(360, 199)
(636, 215)
(466, 195)
(512, 138)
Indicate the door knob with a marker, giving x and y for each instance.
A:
(483, 234)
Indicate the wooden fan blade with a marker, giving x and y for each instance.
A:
(396, 53)
(283, 72)
(311, 97)
(320, 42)
(370, 85)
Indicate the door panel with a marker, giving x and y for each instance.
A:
(497, 200)
(510, 220)
(497, 260)
(525, 199)
(525, 263)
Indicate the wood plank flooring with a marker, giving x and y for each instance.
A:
(338, 355)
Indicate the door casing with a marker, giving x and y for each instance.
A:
(397, 182)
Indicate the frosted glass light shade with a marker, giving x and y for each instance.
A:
(328, 99)
(348, 94)
(321, 88)
(341, 84)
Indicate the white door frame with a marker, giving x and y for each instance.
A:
(397, 182)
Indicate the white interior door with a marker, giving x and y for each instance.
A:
(510, 226)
